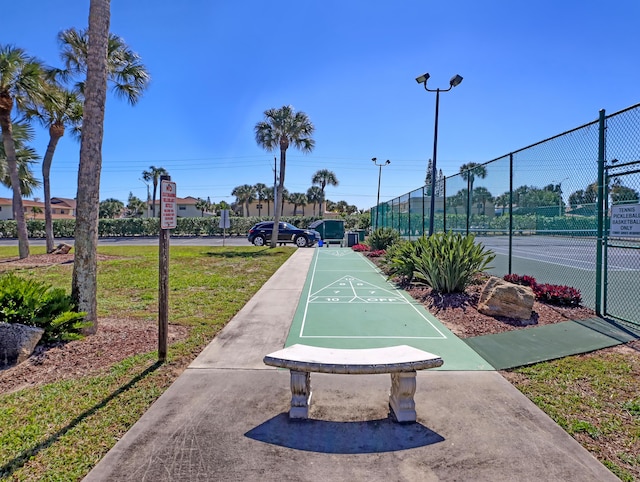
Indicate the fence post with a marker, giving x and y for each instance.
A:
(444, 204)
(510, 212)
(601, 204)
(468, 201)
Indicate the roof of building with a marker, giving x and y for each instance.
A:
(71, 203)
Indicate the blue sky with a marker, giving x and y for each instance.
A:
(531, 70)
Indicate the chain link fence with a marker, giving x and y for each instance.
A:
(622, 217)
(539, 210)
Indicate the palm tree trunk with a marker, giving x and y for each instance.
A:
(46, 184)
(12, 164)
(85, 266)
(277, 210)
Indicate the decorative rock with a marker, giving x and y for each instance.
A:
(501, 298)
(17, 343)
(62, 248)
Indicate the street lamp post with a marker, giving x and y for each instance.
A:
(148, 196)
(374, 159)
(455, 81)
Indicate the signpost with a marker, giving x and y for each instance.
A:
(225, 223)
(625, 220)
(168, 220)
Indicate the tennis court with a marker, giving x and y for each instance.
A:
(571, 261)
(347, 303)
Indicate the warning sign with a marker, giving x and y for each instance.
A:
(168, 205)
(625, 220)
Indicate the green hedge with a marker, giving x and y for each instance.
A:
(202, 226)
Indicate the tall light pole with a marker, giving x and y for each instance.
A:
(455, 81)
(148, 196)
(374, 159)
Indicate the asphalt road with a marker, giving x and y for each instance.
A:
(147, 241)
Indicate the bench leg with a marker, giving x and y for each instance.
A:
(300, 394)
(403, 387)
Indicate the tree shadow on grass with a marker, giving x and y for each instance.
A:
(19, 461)
(266, 251)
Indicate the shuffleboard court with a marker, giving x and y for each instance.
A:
(348, 303)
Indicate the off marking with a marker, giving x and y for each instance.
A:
(350, 289)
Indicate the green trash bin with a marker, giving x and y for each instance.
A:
(362, 233)
(352, 239)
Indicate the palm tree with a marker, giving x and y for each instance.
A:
(284, 195)
(245, 195)
(469, 172)
(20, 82)
(25, 156)
(279, 129)
(203, 205)
(481, 195)
(57, 109)
(35, 210)
(153, 174)
(261, 192)
(269, 196)
(298, 199)
(315, 196)
(324, 178)
(129, 78)
(84, 284)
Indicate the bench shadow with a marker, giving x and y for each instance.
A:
(366, 437)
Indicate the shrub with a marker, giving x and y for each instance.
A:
(360, 248)
(557, 294)
(398, 260)
(33, 303)
(448, 262)
(520, 280)
(553, 294)
(375, 254)
(382, 238)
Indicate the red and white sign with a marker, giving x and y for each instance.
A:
(168, 205)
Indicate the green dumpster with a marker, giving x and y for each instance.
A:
(329, 229)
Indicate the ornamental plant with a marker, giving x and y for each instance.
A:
(360, 248)
(375, 254)
(398, 260)
(382, 238)
(448, 262)
(520, 280)
(559, 295)
(34, 303)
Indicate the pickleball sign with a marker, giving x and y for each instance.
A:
(168, 205)
(625, 220)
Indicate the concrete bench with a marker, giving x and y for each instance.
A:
(400, 361)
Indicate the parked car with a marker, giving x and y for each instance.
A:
(260, 233)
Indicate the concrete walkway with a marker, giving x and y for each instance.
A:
(225, 418)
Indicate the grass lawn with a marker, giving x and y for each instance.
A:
(594, 397)
(61, 430)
